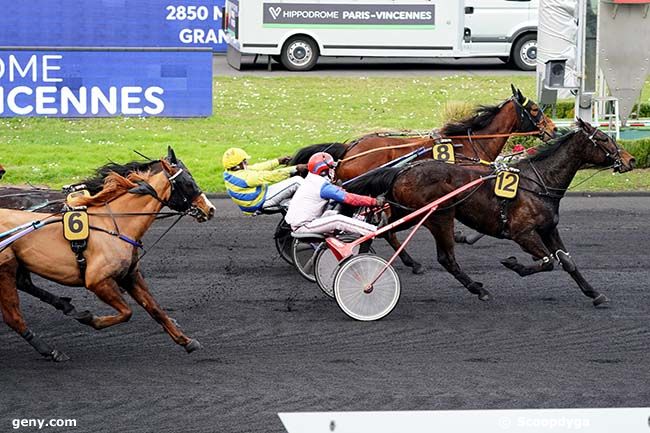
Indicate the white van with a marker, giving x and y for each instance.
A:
(297, 32)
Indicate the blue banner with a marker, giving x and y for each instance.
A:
(112, 23)
(105, 83)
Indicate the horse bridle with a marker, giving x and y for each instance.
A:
(550, 191)
(618, 161)
(186, 207)
(529, 122)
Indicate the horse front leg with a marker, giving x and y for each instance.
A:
(25, 284)
(138, 289)
(108, 292)
(416, 267)
(531, 242)
(442, 229)
(554, 242)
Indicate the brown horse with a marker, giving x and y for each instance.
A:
(2, 171)
(482, 137)
(53, 201)
(530, 218)
(119, 216)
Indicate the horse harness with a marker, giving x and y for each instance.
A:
(551, 192)
(77, 227)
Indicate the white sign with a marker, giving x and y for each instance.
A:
(472, 421)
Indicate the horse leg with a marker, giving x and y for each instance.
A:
(139, 290)
(531, 243)
(108, 292)
(554, 242)
(416, 267)
(442, 229)
(12, 316)
(462, 238)
(25, 284)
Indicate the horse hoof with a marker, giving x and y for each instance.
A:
(66, 306)
(485, 296)
(510, 262)
(58, 356)
(600, 300)
(418, 269)
(192, 346)
(85, 317)
(460, 238)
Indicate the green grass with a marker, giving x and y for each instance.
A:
(269, 117)
(637, 180)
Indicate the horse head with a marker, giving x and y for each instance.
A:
(185, 196)
(604, 151)
(532, 117)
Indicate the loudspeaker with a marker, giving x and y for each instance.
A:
(555, 71)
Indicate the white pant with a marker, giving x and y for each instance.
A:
(281, 191)
(332, 223)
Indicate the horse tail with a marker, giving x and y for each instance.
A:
(376, 182)
(337, 150)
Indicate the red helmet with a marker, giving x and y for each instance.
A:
(320, 163)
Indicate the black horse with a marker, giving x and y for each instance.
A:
(50, 201)
(530, 218)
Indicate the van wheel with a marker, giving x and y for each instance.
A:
(300, 53)
(524, 53)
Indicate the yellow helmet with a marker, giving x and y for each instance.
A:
(233, 157)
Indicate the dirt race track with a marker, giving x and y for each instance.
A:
(274, 343)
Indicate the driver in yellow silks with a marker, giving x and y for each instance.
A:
(259, 186)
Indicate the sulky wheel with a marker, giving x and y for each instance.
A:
(284, 241)
(326, 267)
(353, 295)
(303, 252)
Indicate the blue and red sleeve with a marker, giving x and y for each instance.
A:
(331, 192)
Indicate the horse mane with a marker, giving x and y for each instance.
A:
(375, 182)
(115, 185)
(337, 150)
(95, 183)
(482, 117)
(551, 147)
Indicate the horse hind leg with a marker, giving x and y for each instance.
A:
(12, 316)
(469, 239)
(25, 284)
(442, 230)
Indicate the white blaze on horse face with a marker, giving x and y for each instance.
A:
(205, 206)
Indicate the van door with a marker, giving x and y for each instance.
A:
(492, 22)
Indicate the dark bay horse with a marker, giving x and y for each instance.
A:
(52, 201)
(2, 171)
(482, 137)
(111, 256)
(530, 218)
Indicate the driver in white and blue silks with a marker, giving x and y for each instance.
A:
(307, 210)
